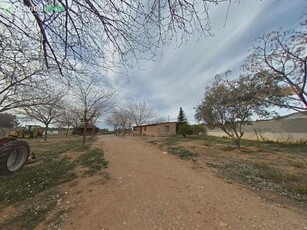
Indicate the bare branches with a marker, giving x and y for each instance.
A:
(102, 32)
(92, 99)
(283, 54)
(48, 108)
(139, 112)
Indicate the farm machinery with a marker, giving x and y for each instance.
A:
(29, 131)
(13, 155)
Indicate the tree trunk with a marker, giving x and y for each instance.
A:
(238, 143)
(46, 132)
(66, 134)
(140, 129)
(93, 132)
(84, 132)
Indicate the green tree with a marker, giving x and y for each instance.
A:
(185, 129)
(229, 106)
(197, 129)
(8, 120)
(182, 118)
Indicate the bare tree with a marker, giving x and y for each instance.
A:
(20, 71)
(139, 112)
(120, 120)
(282, 56)
(92, 100)
(64, 36)
(67, 32)
(48, 108)
(114, 121)
(69, 117)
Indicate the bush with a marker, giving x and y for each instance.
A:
(185, 130)
(199, 129)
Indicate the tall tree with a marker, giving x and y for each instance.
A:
(182, 118)
(229, 106)
(92, 100)
(282, 55)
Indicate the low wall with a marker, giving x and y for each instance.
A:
(283, 137)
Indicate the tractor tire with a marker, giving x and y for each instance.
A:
(13, 155)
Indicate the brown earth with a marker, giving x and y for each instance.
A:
(149, 189)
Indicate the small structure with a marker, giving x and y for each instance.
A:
(90, 130)
(159, 129)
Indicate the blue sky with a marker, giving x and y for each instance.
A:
(177, 77)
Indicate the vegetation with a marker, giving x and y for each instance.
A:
(199, 129)
(35, 188)
(254, 165)
(48, 107)
(182, 117)
(131, 113)
(8, 120)
(266, 177)
(93, 160)
(281, 55)
(229, 106)
(185, 129)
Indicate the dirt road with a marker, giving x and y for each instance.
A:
(152, 190)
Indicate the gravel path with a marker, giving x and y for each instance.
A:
(152, 190)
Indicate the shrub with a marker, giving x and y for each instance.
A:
(199, 129)
(185, 130)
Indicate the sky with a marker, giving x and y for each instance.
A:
(177, 77)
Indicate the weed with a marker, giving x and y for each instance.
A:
(33, 180)
(34, 187)
(297, 164)
(181, 152)
(153, 142)
(34, 214)
(268, 178)
(211, 165)
(93, 160)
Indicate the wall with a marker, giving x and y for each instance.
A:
(271, 136)
(164, 129)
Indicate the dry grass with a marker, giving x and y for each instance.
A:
(276, 167)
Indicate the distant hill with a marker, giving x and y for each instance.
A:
(292, 123)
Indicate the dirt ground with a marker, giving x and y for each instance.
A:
(150, 189)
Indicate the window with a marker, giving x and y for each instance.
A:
(145, 128)
(166, 128)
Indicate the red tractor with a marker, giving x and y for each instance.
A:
(13, 155)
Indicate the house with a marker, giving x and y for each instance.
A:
(91, 129)
(159, 129)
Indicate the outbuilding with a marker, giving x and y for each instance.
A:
(158, 129)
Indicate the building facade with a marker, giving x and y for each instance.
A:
(159, 129)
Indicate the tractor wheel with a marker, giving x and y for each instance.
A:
(13, 155)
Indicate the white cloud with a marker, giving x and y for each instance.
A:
(178, 77)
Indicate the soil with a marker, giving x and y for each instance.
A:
(150, 189)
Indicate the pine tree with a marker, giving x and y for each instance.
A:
(182, 118)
